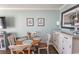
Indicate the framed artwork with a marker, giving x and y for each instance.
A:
(30, 21)
(69, 17)
(41, 21)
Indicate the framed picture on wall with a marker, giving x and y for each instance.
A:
(41, 21)
(70, 17)
(30, 21)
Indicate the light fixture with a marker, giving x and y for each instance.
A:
(76, 18)
(57, 23)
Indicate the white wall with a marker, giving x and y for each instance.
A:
(18, 19)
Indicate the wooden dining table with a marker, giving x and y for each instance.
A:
(28, 43)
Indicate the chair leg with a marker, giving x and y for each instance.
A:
(29, 51)
(48, 49)
(32, 52)
(11, 51)
(38, 51)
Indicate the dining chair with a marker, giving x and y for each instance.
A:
(11, 38)
(35, 44)
(17, 48)
(13, 47)
(45, 45)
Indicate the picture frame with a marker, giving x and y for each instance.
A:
(41, 21)
(68, 16)
(30, 21)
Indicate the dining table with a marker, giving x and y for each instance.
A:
(26, 44)
(29, 43)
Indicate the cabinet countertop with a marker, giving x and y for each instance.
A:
(74, 36)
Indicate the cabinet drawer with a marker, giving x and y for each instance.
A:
(65, 36)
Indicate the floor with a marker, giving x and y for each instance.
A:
(52, 50)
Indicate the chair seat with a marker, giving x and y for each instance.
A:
(16, 47)
(42, 45)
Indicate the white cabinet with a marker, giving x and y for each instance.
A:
(57, 41)
(2, 41)
(66, 44)
(62, 42)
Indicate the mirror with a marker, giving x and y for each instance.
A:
(70, 17)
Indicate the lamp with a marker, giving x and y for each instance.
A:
(76, 24)
(76, 18)
(58, 23)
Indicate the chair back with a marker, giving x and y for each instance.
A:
(48, 38)
(11, 38)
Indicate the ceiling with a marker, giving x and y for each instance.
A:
(31, 6)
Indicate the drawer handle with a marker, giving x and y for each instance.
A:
(65, 37)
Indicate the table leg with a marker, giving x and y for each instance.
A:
(29, 50)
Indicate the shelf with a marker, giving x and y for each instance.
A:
(2, 48)
(2, 41)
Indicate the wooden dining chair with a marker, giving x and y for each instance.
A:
(13, 47)
(45, 45)
(35, 44)
(11, 38)
(18, 49)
